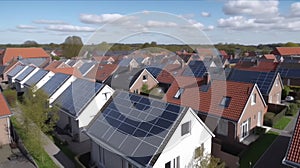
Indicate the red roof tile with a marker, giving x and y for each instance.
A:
(53, 65)
(69, 71)
(13, 53)
(104, 71)
(169, 72)
(293, 153)
(262, 66)
(4, 110)
(286, 51)
(209, 102)
(270, 56)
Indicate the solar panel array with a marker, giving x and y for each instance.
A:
(289, 73)
(264, 80)
(24, 74)
(34, 79)
(85, 67)
(195, 68)
(15, 71)
(54, 83)
(77, 96)
(135, 125)
(154, 71)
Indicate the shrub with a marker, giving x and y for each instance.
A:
(11, 97)
(268, 119)
(285, 92)
(292, 109)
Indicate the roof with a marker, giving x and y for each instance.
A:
(292, 157)
(287, 51)
(168, 73)
(270, 56)
(54, 64)
(258, 65)
(4, 110)
(68, 71)
(54, 83)
(77, 96)
(24, 74)
(14, 53)
(125, 62)
(208, 101)
(86, 67)
(264, 80)
(105, 71)
(135, 126)
(15, 70)
(39, 62)
(34, 79)
(289, 73)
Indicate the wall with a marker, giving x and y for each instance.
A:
(251, 111)
(184, 146)
(151, 82)
(4, 131)
(275, 92)
(230, 160)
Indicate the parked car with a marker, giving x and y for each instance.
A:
(289, 98)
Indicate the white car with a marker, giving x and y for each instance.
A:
(289, 98)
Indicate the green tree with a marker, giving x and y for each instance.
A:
(11, 97)
(145, 89)
(206, 161)
(72, 46)
(291, 44)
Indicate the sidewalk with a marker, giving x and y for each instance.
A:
(275, 153)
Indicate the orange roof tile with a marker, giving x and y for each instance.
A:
(13, 53)
(209, 102)
(286, 51)
(270, 56)
(169, 72)
(4, 110)
(69, 71)
(293, 152)
(53, 65)
(262, 66)
(104, 71)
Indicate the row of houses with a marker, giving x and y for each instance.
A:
(196, 104)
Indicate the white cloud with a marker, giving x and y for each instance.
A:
(295, 9)
(264, 8)
(70, 28)
(43, 21)
(26, 27)
(236, 22)
(152, 23)
(209, 28)
(205, 14)
(99, 19)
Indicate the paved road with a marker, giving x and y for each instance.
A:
(274, 155)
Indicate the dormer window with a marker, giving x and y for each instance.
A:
(178, 93)
(225, 101)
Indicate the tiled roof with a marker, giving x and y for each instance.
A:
(209, 101)
(104, 71)
(286, 51)
(4, 110)
(69, 71)
(13, 53)
(261, 66)
(270, 56)
(53, 65)
(169, 72)
(293, 152)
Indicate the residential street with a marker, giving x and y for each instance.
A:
(275, 153)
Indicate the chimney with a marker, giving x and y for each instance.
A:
(206, 78)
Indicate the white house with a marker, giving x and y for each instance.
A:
(79, 103)
(137, 131)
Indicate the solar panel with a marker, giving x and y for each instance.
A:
(54, 83)
(15, 71)
(136, 128)
(78, 95)
(26, 72)
(34, 79)
(289, 73)
(154, 71)
(85, 67)
(195, 68)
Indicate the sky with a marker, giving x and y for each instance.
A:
(166, 22)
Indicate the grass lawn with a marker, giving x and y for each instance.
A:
(282, 123)
(256, 149)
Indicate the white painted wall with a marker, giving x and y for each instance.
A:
(44, 80)
(62, 88)
(184, 146)
(94, 106)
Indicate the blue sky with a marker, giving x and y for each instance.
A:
(206, 21)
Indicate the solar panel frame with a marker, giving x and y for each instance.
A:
(54, 83)
(34, 79)
(24, 74)
(16, 70)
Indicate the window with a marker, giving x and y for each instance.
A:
(145, 77)
(168, 165)
(185, 128)
(225, 101)
(253, 99)
(174, 164)
(178, 93)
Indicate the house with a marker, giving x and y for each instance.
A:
(131, 80)
(56, 85)
(292, 156)
(40, 75)
(130, 63)
(23, 77)
(78, 104)
(5, 113)
(105, 71)
(86, 67)
(137, 131)
(12, 74)
(269, 83)
(290, 76)
(270, 57)
(56, 64)
(287, 51)
(224, 54)
(12, 54)
(256, 64)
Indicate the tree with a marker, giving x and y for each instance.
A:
(206, 161)
(11, 97)
(145, 89)
(291, 44)
(72, 46)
